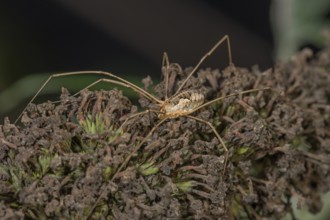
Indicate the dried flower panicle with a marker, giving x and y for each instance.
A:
(60, 160)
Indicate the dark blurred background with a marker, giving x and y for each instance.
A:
(39, 38)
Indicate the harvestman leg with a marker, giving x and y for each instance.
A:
(135, 115)
(212, 127)
(216, 134)
(136, 149)
(118, 81)
(122, 84)
(209, 53)
(166, 65)
(228, 96)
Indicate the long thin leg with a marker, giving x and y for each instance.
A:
(216, 134)
(166, 65)
(128, 158)
(120, 81)
(103, 80)
(135, 115)
(227, 96)
(224, 38)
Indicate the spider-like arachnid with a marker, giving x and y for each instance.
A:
(183, 103)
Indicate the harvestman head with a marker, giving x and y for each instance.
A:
(181, 104)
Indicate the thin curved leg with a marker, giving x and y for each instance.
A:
(216, 134)
(166, 65)
(209, 53)
(118, 81)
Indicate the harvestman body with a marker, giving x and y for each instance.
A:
(181, 104)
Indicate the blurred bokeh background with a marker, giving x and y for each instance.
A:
(40, 38)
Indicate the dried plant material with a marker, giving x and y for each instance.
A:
(58, 163)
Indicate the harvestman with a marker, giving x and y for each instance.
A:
(182, 103)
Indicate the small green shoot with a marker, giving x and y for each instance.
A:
(148, 169)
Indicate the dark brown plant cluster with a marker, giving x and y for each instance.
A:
(60, 161)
